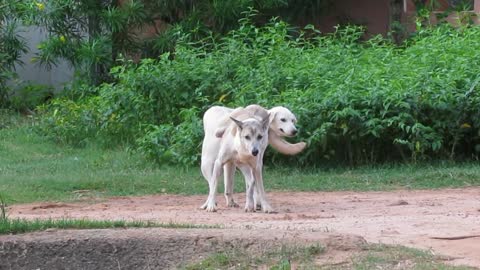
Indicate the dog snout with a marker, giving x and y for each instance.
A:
(294, 132)
(255, 152)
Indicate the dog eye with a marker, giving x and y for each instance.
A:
(283, 120)
(247, 138)
(259, 137)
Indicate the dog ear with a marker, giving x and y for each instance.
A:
(266, 121)
(238, 122)
(271, 117)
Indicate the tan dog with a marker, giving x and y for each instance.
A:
(242, 145)
(281, 124)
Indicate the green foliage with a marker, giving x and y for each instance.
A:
(11, 45)
(91, 35)
(356, 102)
(177, 144)
(68, 122)
(30, 96)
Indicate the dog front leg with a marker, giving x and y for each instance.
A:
(256, 197)
(266, 208)
(249, 202)
(250, 187)
(229, 175)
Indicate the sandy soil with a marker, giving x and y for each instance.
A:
(410, 218)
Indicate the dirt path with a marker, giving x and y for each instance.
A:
(408, 218)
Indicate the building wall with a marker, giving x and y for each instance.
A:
(374, 14)
(29, 72)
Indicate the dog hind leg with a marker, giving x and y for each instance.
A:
(257, 173)
(207, 171)
(211, 205)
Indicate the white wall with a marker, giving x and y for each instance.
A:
(56, 77)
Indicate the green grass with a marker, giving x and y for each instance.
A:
(398, 257)
(373, 256)
(33, 169)
(16, 226)
(276, 258)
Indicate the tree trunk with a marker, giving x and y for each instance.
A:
(396, 27)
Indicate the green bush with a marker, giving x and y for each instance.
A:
(356, 102)
(177, 144)
(12, 45)
(30, 96)
(68, 122)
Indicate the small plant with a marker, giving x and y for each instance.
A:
(3, 209)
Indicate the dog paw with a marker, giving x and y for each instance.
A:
(210, 205)
(301, 146)
(232, 204)
(211, 208)
(249, 207)
(266, 208)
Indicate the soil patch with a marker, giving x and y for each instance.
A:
(410, 218)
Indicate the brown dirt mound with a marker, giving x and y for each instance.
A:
(411, 218)
(147, 248)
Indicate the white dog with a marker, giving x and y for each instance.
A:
(242, 145)
(281, 124)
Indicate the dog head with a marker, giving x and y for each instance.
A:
(253, 134)
(282, 122)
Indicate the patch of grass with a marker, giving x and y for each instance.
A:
(220, 260)
(398, 257)
(288, 257)
(3, 209)
(17, 226)
(376, 178)
(276, 259)
(34, 169)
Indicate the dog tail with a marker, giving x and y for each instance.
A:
(226, 121)
(284, 147)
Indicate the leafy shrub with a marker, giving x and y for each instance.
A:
(69, 122)
(30, 96)
(11, 46)
(177, 144)
(357, 102)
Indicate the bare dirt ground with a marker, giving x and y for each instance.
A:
(409, 218)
